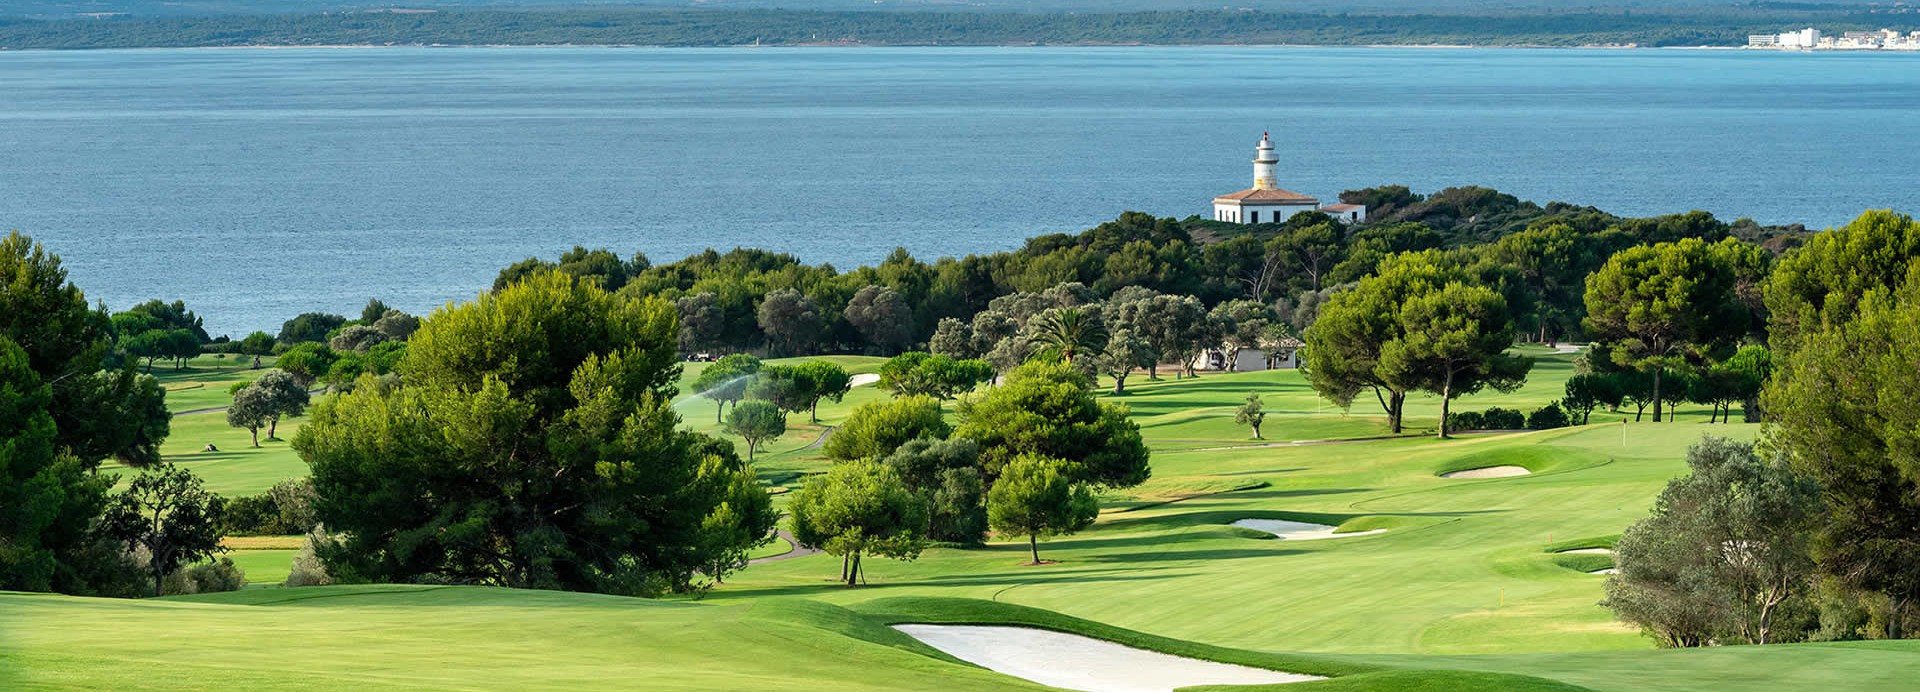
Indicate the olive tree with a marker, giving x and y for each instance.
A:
(882, 316)
(1126, 351)
(790, 320)
(1725, 553)
(167, 512)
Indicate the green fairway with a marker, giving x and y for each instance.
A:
(237, 468)
(264, 566)
(1464, 588)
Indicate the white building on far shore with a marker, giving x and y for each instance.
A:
(1804, 38)
(1812, 39)
(1265, 202)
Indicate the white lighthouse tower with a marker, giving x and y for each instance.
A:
(1263, 163)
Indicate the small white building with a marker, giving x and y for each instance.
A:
(1265, 202)
(1346, 213)
(1281, 353)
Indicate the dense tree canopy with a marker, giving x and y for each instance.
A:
(1822, 284)
(1844, 406)
(312, 326)
(65, 414)
(877, 428)
(917, 373)
(1454, 341)
(947, 474)
(530, 444)
(1672, 305)
(1049, 410)
(1361, 340)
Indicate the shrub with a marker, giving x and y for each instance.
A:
(308, 569)
(251, 515)
(285, 509)
(1504, 419)
(357, 338)
(206, 577)
(293, 504)
(1548, 417)
(1495, 418)
(1466, 420)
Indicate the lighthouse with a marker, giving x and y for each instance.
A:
(1265, 202)
(1263, 163)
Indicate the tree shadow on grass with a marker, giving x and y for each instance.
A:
(1275, 494)
(1085, 542)
(1225, 497)
(190, 459)
(1043, 574)
(1262, 471)
(1191, 555)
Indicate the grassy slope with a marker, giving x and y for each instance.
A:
(1465, 567)
(459, 637)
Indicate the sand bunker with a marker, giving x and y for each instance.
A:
(1074, 662)
(1488, 472)
(863, 379)
(1609, 570)
(1298, 530)
(1588, 551)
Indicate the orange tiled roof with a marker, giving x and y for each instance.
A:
(1257, 196)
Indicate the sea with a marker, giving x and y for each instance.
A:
(256, 184)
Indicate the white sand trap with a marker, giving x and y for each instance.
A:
(1588, 551)
(1488, 472)
(1299, 530)
(1074, 662)
(1608, 570)
(863, 379)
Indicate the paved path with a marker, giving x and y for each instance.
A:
(798, 550)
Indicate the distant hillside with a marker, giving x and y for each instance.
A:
(672, 27)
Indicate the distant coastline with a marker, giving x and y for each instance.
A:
(1726, 27)
(749, 46)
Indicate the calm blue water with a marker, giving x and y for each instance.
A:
(257, 184)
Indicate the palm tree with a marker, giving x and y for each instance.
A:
(1068, 332)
